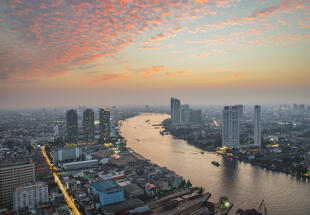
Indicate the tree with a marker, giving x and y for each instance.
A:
(240, 211)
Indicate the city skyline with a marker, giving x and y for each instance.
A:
(61, 53)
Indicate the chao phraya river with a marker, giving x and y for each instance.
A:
(245, 185)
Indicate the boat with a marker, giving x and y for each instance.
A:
(215, 163)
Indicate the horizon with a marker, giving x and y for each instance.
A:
(124, 52)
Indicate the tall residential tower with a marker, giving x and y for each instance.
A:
(89, 125)
(104, 119)
(72, 126)
(175, 105)
(230, 129)
(257, 125)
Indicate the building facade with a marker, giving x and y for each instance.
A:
(185, 113)
(72, 126)
(175, 106)
(108, 192)
(12, 175)
(89, 125)
(104, 120)
(230, 128)
(29, 195)
(67, 153)
(257, 125)
(195, 115)
(240, 107)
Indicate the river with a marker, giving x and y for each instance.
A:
(244, 184)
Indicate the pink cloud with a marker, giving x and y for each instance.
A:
(52, 37)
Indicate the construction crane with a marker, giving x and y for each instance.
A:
(262, 208)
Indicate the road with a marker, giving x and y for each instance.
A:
(69, 201)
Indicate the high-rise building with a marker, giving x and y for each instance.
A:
(185, 113)
(72, 126)
(302, 107)
(195, 115)
(114, 116)
(89, 125)
(240, 108)
(12, 175)
(175, 106)
(104, 119)
(30, 194)
(230, 129)
(56, 130)
(257, 125)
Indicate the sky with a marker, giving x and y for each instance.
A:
(131, 52)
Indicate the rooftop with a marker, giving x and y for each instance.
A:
(106, 185)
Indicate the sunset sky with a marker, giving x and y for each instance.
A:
(118, 52)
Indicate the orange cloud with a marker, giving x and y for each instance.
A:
(238, 75)
(108, 77)
(303, 24)
(160, 36)
(148, 72)
(177, 73)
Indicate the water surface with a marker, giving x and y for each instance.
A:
(246, 185)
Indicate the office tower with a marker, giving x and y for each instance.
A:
(29, 195)
(185, 113)
(72, 126)
(11, 175)
(240, 107)
(195, 115)
(104, 119)
(295, 107)
(257, 125)
(175, 105)
(230, 129)
(89, 125)
(66, 154)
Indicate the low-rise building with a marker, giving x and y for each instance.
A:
(81, 165)
(29, 195)
(108, 192)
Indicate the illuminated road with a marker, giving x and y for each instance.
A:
(60, 185)
(215, 122)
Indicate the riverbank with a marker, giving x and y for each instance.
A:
(275, 158)
(239, 181)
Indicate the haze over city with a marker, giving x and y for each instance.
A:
(64, 53)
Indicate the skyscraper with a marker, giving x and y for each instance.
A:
(89, 125)
(104, 119)
(185, 113)
(72, 126)
(240, 107)
(12, 175)
(230, 129)
(195, 115)
(175, 105)
(257, 125)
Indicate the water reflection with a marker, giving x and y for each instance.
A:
(244, 184)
